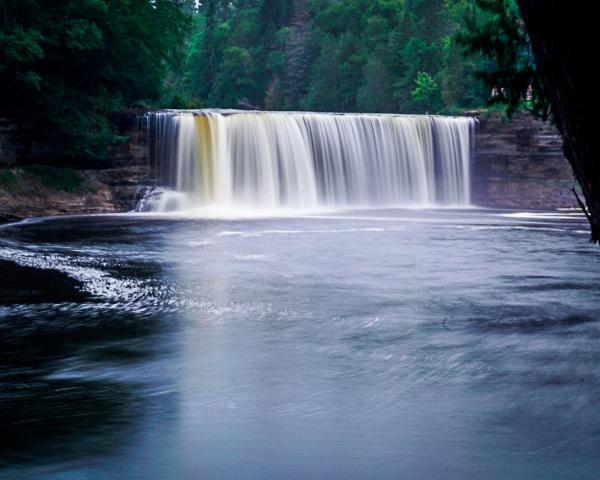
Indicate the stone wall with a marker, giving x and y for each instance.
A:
(520, 164)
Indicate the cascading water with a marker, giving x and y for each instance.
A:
(266, 160)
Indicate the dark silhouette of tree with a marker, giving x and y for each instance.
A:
(493, 30)
(561, 36)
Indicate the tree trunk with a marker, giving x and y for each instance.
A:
(561, 35)
(295, 52)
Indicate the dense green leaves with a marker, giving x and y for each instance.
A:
(71, 64)
(74, 63)
(493, 29)
(426, 91)
(331, 55)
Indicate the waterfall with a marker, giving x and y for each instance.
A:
(265, 160)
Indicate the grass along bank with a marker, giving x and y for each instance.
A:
(39, 190)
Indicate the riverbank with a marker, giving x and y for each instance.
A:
(35, 191)
(31, 185)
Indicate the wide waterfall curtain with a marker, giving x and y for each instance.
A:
(269, 160)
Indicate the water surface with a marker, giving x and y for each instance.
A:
(379, 344)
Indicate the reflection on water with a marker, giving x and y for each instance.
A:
(366, 344)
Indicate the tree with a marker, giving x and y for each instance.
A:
(493, 29)
(376, 91)
(426, 90)
(460, 87)
(75, 63)
(207, 53)
(560, 34)
(323, 55)
(536, 62)
(234, 83)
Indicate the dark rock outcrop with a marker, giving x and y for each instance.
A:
(519, 163)
(110, 190)
(26, 192)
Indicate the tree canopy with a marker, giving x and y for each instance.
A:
(493, 29)
(71, 64)
(331, 55)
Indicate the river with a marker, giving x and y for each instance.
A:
(367, 344)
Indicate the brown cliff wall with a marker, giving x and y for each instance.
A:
(28, 190)
(520, 164)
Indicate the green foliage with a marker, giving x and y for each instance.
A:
(10, 181)
(376, 91)
(351, 48)
(7, 178)
(330, 55)
(426, 90)
(75, 63)
(234, 82)
(59, 179)
(71, 64)
(24, 180)
(493, 30)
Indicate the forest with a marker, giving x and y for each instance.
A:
(338, 56)
(71, 65)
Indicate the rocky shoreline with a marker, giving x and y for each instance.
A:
(57, 191)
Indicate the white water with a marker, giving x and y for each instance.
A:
(265, 160)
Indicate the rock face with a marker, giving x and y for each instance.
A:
(520, 164)
(8, 148)
(135, 150)
(517, 164)
(28, 191)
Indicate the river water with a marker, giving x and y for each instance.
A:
(368, 344)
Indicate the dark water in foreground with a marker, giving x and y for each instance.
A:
(383, 344)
